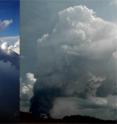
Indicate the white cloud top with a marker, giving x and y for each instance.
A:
(10, 43)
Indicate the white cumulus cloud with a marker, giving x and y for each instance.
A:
(26, 91)
(10, 43)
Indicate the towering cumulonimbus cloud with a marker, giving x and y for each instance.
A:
(10, 42)
(79, 57)
(79, 32)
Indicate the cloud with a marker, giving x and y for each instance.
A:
(4, 46)
(5, 23)
(9, 39)
(97, 107)
(79, 32)
(113, 3)
(26, 91)
(10, 43)
(64, 106)
(93, 84)
(15, 47)
(78, 57)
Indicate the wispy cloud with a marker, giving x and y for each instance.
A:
(5, 23)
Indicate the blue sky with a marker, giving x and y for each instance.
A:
(9, 10)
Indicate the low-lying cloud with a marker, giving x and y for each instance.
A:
(104, 108)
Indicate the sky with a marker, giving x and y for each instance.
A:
(9, 59)
(69, 48)
(9, 25)
(9, 10)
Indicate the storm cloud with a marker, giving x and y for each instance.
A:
(78, 58)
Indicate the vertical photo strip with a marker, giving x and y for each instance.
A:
(9, 60)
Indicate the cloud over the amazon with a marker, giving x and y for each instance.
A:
(78, 56)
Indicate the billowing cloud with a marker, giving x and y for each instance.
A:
(5, 23)
(79, 32)
(10, 43)
(78, 57)
(26, 91)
